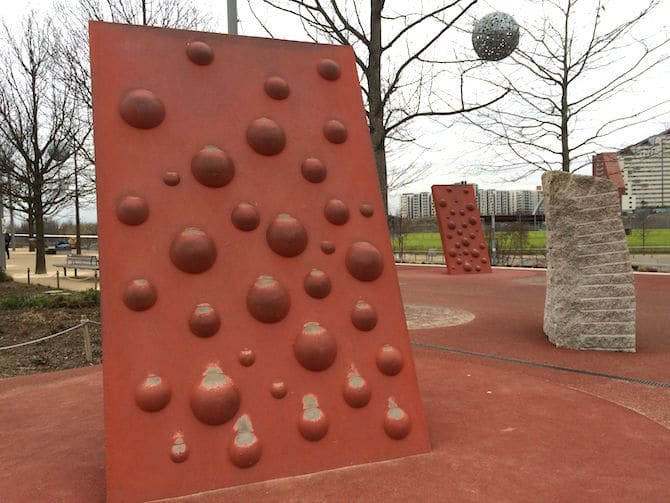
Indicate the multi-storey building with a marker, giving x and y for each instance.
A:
(508, 202)
(404, 205)
(427, 209)
(419, 205)
(489, 201)
(524, 202)
(640, 171)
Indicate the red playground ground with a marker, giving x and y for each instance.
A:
(510, 417)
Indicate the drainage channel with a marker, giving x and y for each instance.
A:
(541, 365)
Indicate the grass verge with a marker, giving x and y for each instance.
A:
(652, 239)
(87, 298)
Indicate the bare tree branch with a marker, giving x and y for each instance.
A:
(566, 70)
(395, 51)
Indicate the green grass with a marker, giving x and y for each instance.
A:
(88, 298)
(652, 237)
(538, 240)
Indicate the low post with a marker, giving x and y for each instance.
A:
(95, 280)
(29, 275)
(58, 279)
(87, 340)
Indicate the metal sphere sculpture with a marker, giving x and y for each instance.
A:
(495, 36)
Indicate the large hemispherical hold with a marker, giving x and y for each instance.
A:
(315, 348)
(215, 399)
(495, 36)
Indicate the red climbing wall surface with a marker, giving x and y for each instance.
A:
(253, 325)
(463, 239)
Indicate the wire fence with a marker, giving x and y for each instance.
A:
(536, 258)
(82, 327)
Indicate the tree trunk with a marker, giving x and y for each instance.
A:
(31, 226)
(11, 217)
(377, 131)
(38, 210)
(565, 111)
(565, 146)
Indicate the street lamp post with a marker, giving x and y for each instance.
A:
(494, 258)
(662, 170)
(3, 263)
(232, 17)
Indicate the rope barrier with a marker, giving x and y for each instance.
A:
(47, 337)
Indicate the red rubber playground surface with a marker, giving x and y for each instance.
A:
(511, 418)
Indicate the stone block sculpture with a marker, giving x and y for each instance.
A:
(461, 232)
(590, 302)
(252, 321)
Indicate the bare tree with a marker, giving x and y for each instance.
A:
(564, 73)
(165, 13)
(38, 119)
(400, 60)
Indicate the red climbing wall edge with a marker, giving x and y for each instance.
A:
(253, 325)
(463, 239)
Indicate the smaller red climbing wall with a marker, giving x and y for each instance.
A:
(463, 239)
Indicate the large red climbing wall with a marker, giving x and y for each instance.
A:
(252, 320)
(463, 239)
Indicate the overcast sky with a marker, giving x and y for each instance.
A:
(452, 151)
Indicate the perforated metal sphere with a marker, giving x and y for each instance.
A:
(495, 36)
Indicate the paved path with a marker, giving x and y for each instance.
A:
(509, 305)
(22, 259)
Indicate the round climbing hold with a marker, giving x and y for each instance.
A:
(266, 137)
(199, 53)
(286, 236)
(142, 109)
(267, 300)
(364, 262)
(329, 69)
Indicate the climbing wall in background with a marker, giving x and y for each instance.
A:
(463, 239)
(253, 325)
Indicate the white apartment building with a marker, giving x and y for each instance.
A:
(524, 202)
(508, 202)
(417, 205)
(646, 176)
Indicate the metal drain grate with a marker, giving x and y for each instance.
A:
(542, 365)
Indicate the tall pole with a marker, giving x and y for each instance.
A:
(3, 262)
(77, 221)
(232, 17)
(662, 170)
(494, 258)
(144, 12)
(11, 213)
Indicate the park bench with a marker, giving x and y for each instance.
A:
(80, 262)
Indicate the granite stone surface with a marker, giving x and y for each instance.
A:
(590, 302)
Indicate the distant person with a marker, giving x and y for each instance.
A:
(8, 239)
